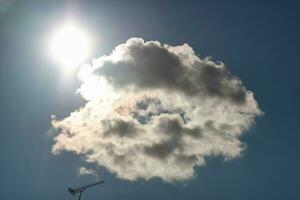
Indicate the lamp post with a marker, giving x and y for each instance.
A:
(80, 190)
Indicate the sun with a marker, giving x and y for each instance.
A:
(69, 45)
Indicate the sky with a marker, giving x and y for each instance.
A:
(256, 40)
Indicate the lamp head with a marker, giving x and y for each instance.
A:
(71, 191)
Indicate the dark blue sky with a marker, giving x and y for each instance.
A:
(258, 41)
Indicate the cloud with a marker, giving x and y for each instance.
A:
(156, 110)
(86, 171)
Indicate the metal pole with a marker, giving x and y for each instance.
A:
(80, 195)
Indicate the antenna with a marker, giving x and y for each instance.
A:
(80, 190)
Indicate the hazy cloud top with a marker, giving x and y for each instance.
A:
(156, 110)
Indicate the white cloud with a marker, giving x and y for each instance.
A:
(86, 171)
(156, 110)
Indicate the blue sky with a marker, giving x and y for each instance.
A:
(258, 41)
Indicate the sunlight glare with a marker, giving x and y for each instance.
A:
(69, 45)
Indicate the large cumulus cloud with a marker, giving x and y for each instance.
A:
(156, 110)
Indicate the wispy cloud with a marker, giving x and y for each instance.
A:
(87, 171)
(156, 110)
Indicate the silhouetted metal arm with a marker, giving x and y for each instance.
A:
(87, 186)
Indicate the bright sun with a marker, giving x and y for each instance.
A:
(69, 45)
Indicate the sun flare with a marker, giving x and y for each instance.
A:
(69, 45)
